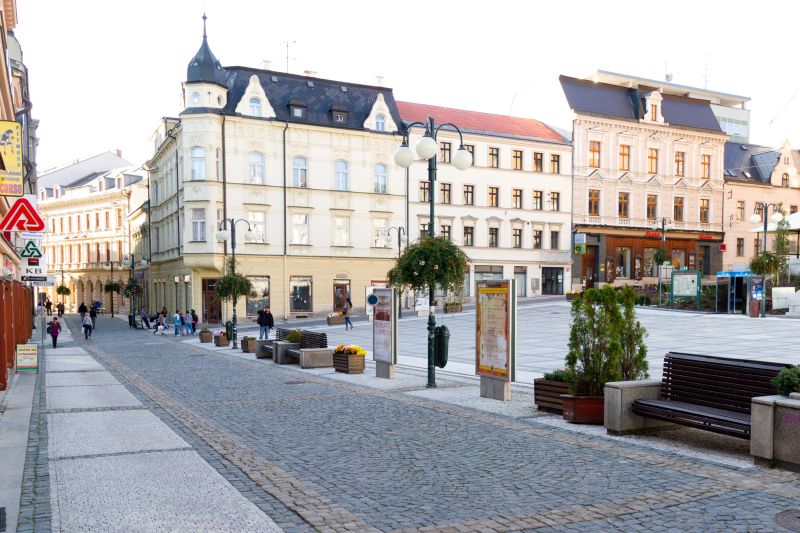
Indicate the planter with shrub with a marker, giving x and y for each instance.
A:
(206, 335)
(248, 344)
(349, 359)
(221, 339)
(547, 391)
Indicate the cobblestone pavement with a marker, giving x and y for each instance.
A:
(317, 453)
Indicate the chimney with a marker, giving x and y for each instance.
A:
(266, 64)
(379, 81)
(119, 153)
(311, 73)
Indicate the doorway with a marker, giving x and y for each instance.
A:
(552, 280)
(520, 275)
(587, 267)
(341, 292)
(705, 260)
(212, 306)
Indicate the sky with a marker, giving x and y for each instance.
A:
(103, 73)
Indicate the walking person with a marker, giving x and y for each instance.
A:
(187, 323)
(195, 320)
(49, 306)
(93, 316)
(82, 309)
(145, 320)
(54, 328)
(60, 308)
(176, 321)
(348, 306)
(87, 326)
(262, 326)
(269, 321)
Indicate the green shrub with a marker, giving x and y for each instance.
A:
(556, 375)
(205, 330)
(633, 359)
(787, 381)
(294, 336)
(246, 338)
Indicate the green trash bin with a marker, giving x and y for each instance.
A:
(229, 329)
(441, 341)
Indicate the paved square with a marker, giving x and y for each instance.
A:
(107, 432)
(69, 379)
(90, 397)
(71, 363)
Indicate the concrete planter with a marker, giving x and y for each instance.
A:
(573, 296)
(775, 431)
(279, 349)
(619, 397)
(583, 409)
(206, 337)
(260, 352)
(453, 308)
(547, 395)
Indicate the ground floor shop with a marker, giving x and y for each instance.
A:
(88, 286)
(532, 278)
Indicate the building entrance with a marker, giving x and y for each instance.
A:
(552, 280)
(212, 306)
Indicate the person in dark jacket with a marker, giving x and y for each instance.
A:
(60, 309)
(267, 323)
(195, 320)
(82, 309)
(93, 316)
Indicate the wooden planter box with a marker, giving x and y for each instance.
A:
(335, 320)
(249, 346)
(206, 337)
(348, 363)
(547, 395)
(453, 308)
(572, 296)
(583, 409)
(221, 340)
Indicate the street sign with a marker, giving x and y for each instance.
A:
(50, 281)
(579, 249)
(30, 250)
(22, 216)
(11, 174)
(34, 269)
(580, 238)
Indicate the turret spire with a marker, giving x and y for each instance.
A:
(204, 26)
(204, 67)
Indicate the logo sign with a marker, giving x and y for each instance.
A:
(30, 250)
(11, 159)
(579, 249)
(580, 238)
(652, 234)
(22, 216)
(34, 269)
(49, 282)
(27, 358)
(706, 237)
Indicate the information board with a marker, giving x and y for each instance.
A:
(27, 358)
(684, 284)
(495, 331)
(384, 326)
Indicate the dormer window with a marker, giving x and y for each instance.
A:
(298, 112)
(653, 112)
(380, 123)
(255, 107)
(195, 98)
(339, 115)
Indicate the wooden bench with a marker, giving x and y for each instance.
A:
(266, 351)
(313, 351)
(710, 393)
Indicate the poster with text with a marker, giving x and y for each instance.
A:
(495, 335)
(384, 327)
(27, 358)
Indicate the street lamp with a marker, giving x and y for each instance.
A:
(755, 218)
(400, 231)
(427, 148)
(664, 222)
(111, 265)
(225, 234)
(176, 279)
(130, 261)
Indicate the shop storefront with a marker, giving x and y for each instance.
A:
(259, 295)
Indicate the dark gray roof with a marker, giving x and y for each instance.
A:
(585, 96)
(84, 180)
(749, 162)
(318, 96)
(204, 67)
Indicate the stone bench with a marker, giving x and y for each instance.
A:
(312, 351)
(775, 432)
(266, 350)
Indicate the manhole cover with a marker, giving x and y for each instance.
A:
(293, 382)
(789, 519)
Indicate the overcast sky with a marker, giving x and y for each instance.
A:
(103, 72)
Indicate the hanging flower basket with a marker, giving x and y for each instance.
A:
(431, 262)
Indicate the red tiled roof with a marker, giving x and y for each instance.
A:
(476, 121)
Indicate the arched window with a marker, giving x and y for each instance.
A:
(380, 123)
(255, 107)
(300, 172)
(341, 176)
(255, 168)
(381, 179)
(198, 163)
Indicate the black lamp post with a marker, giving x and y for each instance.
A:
(132, 315)
(400, 231)
(664, 222)
(111, 265)
(428, 148)
(225, 234)
(755, 218)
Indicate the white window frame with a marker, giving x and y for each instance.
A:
(198, 225)
(380, 232)
(299, 172)
(341, 231)
(198, 155)
(255, 107)
(255, 168)
(380, 122)
(300, 228)
(381, 178)
(341, 175)
(258, 227)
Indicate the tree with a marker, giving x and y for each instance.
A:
(633, 359)
(782, 250)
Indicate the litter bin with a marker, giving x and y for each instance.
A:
(441, 340)
(229, 329)
(755, 308)
(131, 322)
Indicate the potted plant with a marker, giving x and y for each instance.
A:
(349, 359)
(335, 319)
(221, 338)
(63, 290)
(570, 295)
(206, 335)
(633, 357)
(547, 391)
(248, 344)
(112, 286)
(787, 381)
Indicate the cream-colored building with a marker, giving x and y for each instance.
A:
(85, 207)
(510, 211)
(306, 163)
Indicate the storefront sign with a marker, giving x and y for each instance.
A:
(580, 238)
(705, 237)
(11, 176)
(656, 234)
(22, 215)
(495, 336)
(27, 358)
(384, 326)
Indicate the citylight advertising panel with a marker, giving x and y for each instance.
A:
(11, 177)
(384, 327)
(495, 335)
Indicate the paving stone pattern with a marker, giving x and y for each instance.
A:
(329, 455)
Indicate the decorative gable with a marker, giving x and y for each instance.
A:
(254, 100)
(652, 107)
(681, 183)
(626, 178)
(380, 111)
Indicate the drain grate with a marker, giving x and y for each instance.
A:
(293, 382)
(789, 519)
(2, 519)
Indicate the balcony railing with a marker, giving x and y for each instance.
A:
(644, 223)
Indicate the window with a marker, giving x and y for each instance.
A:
(494, 193)
(652, 207)
(299, 229)
(653, 112)
(785, 180)
(119, 218)
(424, 228)
(739, 247)
(623, 265)
(217, 164)
(537, 239)
(380, 232)
(740, 210)
(298, 112)
(195, 98)
(537, 200)
(680, 163)
(555, 201)
(424, 191)
(381, 181)
(624, 157)
(199, 225)
(445, 189)
(494, 157)
(792, 209)
(756, 246)
(258, 225)
(554, 240)
(494, 237)
(624, 204)
(301, 294)
(87, 222)
(516, 159)
(340, 117)
(255, 107)
(469, 236)
(158, 241)
(677, 212)
(61, 225)
(652, 160)
(705, 167)
(78, 222)
(516, 198)
(704, 210)
(96, 221)
(198, 163)
(108, 221)
(255, 168)
(537, 161)
(341, 231)
(444, 152)
(469, 195)
(380, 123)
(471, 149)
(155, 194)
(594, 154)
(341, 176)
(299, 172)
(555, 164)
(516, 234)
(445, 231)
(594, 203)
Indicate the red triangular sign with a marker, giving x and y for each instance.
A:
(22, 217)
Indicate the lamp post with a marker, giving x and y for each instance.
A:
(131, 262)
(176, 279)
(755, 218)
(664, 222)
(400, 231)
(428, 148)
(111, 265)
(225, 234)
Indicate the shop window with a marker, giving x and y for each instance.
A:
(623, 263)
(300, 294)
(678, 258)
(259, 295)
(650, 267)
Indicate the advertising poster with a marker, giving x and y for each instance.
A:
(11, 176)
(384, 327)
(495, 340)
(27, 358)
